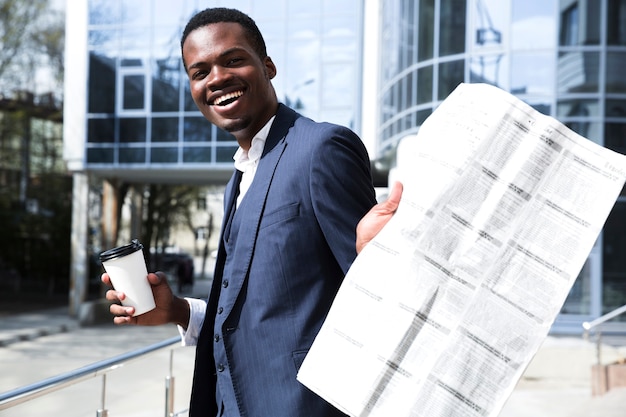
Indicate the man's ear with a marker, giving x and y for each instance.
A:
(270, 68)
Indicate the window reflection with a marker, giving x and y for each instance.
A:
(101, 130)
(133, 129)
(452, 27)
(165, 84)
(616, 108)
(532, 73)
(426, 30)
(614, 261)
(100, 155)
(616, 28)
(578, 72)
(577, 108)
(134, 92)
(196, 129)
(533, 26)
(615, 79)
(451, 74)
(101, 84)
(164, 155)
(490, 69)
(197, 154)
(164, 129)
(579, 23)
(132, 155)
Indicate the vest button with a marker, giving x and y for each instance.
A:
(216, 338)
(221, 367)
(220, 310)
(225, 283)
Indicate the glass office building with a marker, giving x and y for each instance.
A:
(566, 58)
(139, 117)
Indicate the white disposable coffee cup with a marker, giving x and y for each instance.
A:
(126, 267)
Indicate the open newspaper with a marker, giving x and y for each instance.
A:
(441, 313)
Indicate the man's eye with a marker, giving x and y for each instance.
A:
(198, 75)
(234, 61)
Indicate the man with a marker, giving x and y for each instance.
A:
(288, 235)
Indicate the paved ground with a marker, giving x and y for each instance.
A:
(44, 343)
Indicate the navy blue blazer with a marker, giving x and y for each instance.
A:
(291, 241)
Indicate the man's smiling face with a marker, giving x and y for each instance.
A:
(230, 83)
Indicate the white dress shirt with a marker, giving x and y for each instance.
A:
(246, 162)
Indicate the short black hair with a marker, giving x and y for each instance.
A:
(226, 15)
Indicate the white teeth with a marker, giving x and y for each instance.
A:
(228, 96)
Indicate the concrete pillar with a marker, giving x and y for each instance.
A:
(79, 256)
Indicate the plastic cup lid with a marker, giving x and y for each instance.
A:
(120, 251)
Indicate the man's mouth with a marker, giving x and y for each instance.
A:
(227, 98)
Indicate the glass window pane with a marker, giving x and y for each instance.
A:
(579, 23)
(450, 76)
(615, 79)
(134, 91)
(104, 11)
(614, 261)
(425, 85)
(490, 69)
(101, 130)
(166, 77)
(616, 108)
(615, 137)
(133, 130)
(616, 28)
(577, 108)
(100, 155)
(225, 154)
(338, 84)
(452, 27)
(491, 24)
(426, 30)
(197, 154)
(578, 72)
(189, 103)
(101, 84)
(534, 26)
(223, 136)
(196, 129)
(579, 298)
(588, 129)
(164, 155)
(132, 155)
(532, 73)
(165, 129)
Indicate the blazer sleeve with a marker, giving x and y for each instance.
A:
(342, 190)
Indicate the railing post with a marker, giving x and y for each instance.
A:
(103, 412)
(169, 388)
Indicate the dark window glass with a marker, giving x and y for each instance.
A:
(615, 78)
(99, 155)
(164, 155)
(452, 27)
(189, 104)
(577, 72)
(131, 62)
(225, 153)
(101, 84)
(425, 85)
(196, 129)
(197, 154)
(450, 76)
(422, 115)
(223, 136)
(101, 130)
(134, 88)
(577, 108)
(616, 108)
(569, 26)
(165, 80)
(615, 136)
(165, 129)
(614, 261)
(616, 28)
(133, 130)
(132, 155)
(426, 30)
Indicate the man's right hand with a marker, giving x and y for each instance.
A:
(169, 308)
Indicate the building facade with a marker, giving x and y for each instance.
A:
(129, 117)
(563, 57)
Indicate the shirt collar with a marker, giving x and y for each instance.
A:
(244, 158)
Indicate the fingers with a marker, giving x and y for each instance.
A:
(395, 194)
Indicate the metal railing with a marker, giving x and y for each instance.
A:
(29, 392)
(596, 325)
